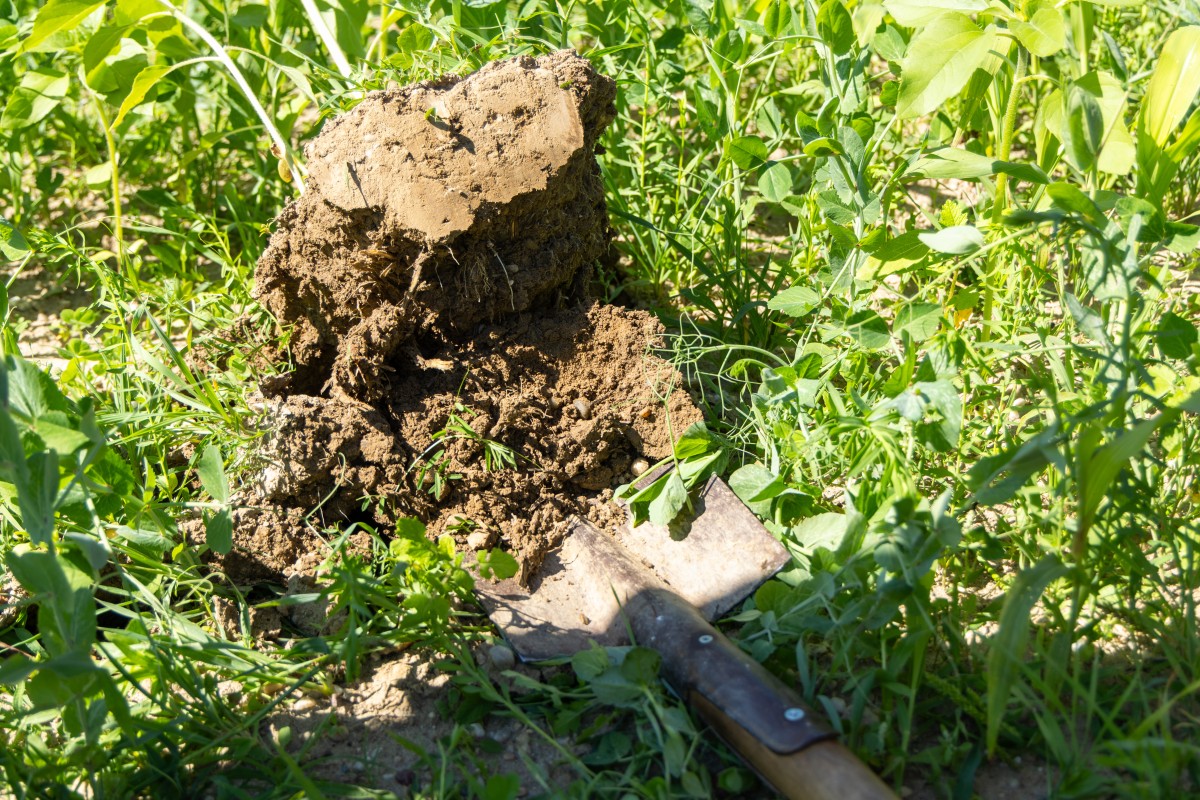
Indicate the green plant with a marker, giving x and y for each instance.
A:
(934, 265)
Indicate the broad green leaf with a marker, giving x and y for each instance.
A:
(907, 246)
(919, 320)
(142, 84)
(868, 329)
(1044, 34)
(941, 396)
(218, 532)
(1173, 85)
(913, 13)
(58, 436)
(796, 301)
(55, 16)
(1088, 321)
(211, 471)
(748, 152)
(670, 501)
(953, 162)
(957, 240)
(836, 26)
(40, 92)
(777, 18)
(12, 244)
(1188, 140)
(590, 664)
(824, 530)
(641, 665)
(1181, 237)
(16, 668)
(995, 479)
(754, 483)
(775, 183)
(890, 45)
(1070, 197)
(823, 146)
(503, 565)
(1117, 151)
(39, 498)
(867, 17)
(505, 786)
(1006, 651)
(941, 59)
(131, 12)
(63, 592)
(1108, 461)
(95, 551)
(100, 46)
(1084, 130)
(31, 391)
(114, 75)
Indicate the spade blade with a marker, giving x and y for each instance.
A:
(712, 558)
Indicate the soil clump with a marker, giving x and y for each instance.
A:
(449, 364)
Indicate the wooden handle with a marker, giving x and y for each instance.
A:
(762, 719)
(822, 771)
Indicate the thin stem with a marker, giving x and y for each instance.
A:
(1010, 125)
(327, 37)
(114, 181)
(223, 56)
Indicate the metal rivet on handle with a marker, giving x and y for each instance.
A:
(706, 639)
(794, 714)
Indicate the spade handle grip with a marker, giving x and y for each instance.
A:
(762, 719)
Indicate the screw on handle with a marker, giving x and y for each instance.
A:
(762, 719)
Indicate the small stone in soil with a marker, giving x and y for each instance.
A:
(502, 657)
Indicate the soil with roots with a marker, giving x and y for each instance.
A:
(449, 363)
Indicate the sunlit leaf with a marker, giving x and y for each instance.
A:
(796, 301)
(55, 16)
(957, 240)
(941, 59)
(912, 13)
(1173, 85)
(747, 152)
(1044, 34)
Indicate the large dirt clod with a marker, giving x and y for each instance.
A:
(435, 207)
(449, 365)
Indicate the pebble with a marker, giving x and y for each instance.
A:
(476, 730)
(480, 539)
(502, 656)
(640, 466)
(583, 407)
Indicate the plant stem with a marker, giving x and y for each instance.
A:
(114, 181)
(235, 73)
(1006, 140)
(327, 38)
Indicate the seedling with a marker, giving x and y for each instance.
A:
(496, 455)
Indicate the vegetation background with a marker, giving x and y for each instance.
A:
(930, 265)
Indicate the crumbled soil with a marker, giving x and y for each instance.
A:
(574, 396)
(449, 364)
(372, 734)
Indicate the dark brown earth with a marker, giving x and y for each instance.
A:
(449, 363)
(435, 207)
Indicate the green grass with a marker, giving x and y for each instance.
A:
(978, 444)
